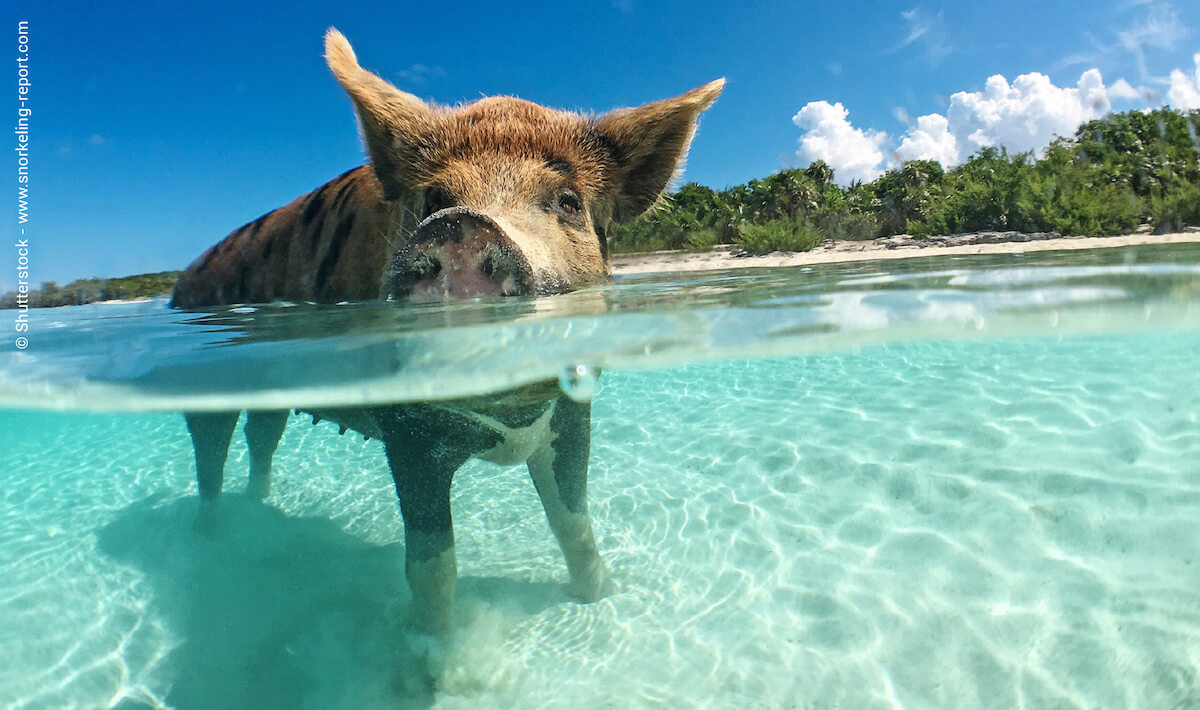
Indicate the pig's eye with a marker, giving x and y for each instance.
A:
(569, 202)
(437, 198)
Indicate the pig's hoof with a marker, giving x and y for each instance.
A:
(208, 520)
(430, 651)
(258, 488)
(593, 585)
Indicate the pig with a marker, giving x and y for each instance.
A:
(498, 197)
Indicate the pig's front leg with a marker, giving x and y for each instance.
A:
(211, 433)
(559, 469)
(425, 447)
(263, 430)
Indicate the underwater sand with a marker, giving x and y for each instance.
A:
(992, 522)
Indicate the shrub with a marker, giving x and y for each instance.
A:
(778, 235)
(1067, 204)
(657, 234)
(1178, 208)
(703, 238)
(848, 225)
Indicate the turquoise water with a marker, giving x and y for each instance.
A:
(969, 482)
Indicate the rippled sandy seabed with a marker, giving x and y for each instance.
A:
(998, 523)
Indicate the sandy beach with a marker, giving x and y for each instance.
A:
(724, 257)
(119, 301)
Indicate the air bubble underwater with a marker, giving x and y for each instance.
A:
(578, 382)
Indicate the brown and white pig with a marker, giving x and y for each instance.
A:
(499, 197)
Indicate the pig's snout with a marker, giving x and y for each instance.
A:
(459, 253)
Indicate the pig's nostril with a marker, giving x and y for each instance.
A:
(500, 266)
(426, 266)
(494, 263)
(459, 253)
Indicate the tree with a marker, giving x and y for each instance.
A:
(906, 195)
(792, 193)
(1115, 172)
(820, 172)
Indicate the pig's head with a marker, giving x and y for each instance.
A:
(506, 197)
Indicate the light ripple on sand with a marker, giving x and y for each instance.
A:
(988, 524)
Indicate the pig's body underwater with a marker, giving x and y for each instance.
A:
(498, 197)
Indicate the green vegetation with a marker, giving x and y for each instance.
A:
(83, 291)
(1114, 174)
(778, 235)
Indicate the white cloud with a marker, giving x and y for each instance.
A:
(929, 31)
(420, 74)
(1077, 59)
(1185, 90)
(930, 139)
(1146, 27)
(1161, 29)
(1123, 90)
(1025, 115)
(918, 25)
(854, 154)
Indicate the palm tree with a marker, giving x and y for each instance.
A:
(820, 172)
(793, 193)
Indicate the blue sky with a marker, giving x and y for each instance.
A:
(159, 128)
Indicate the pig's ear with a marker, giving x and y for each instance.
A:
(391, 119)
(649, 143)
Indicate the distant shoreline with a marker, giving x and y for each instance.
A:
(896, 247)
(119, 301)
(725, 257)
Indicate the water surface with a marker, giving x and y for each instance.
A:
(928, 483)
